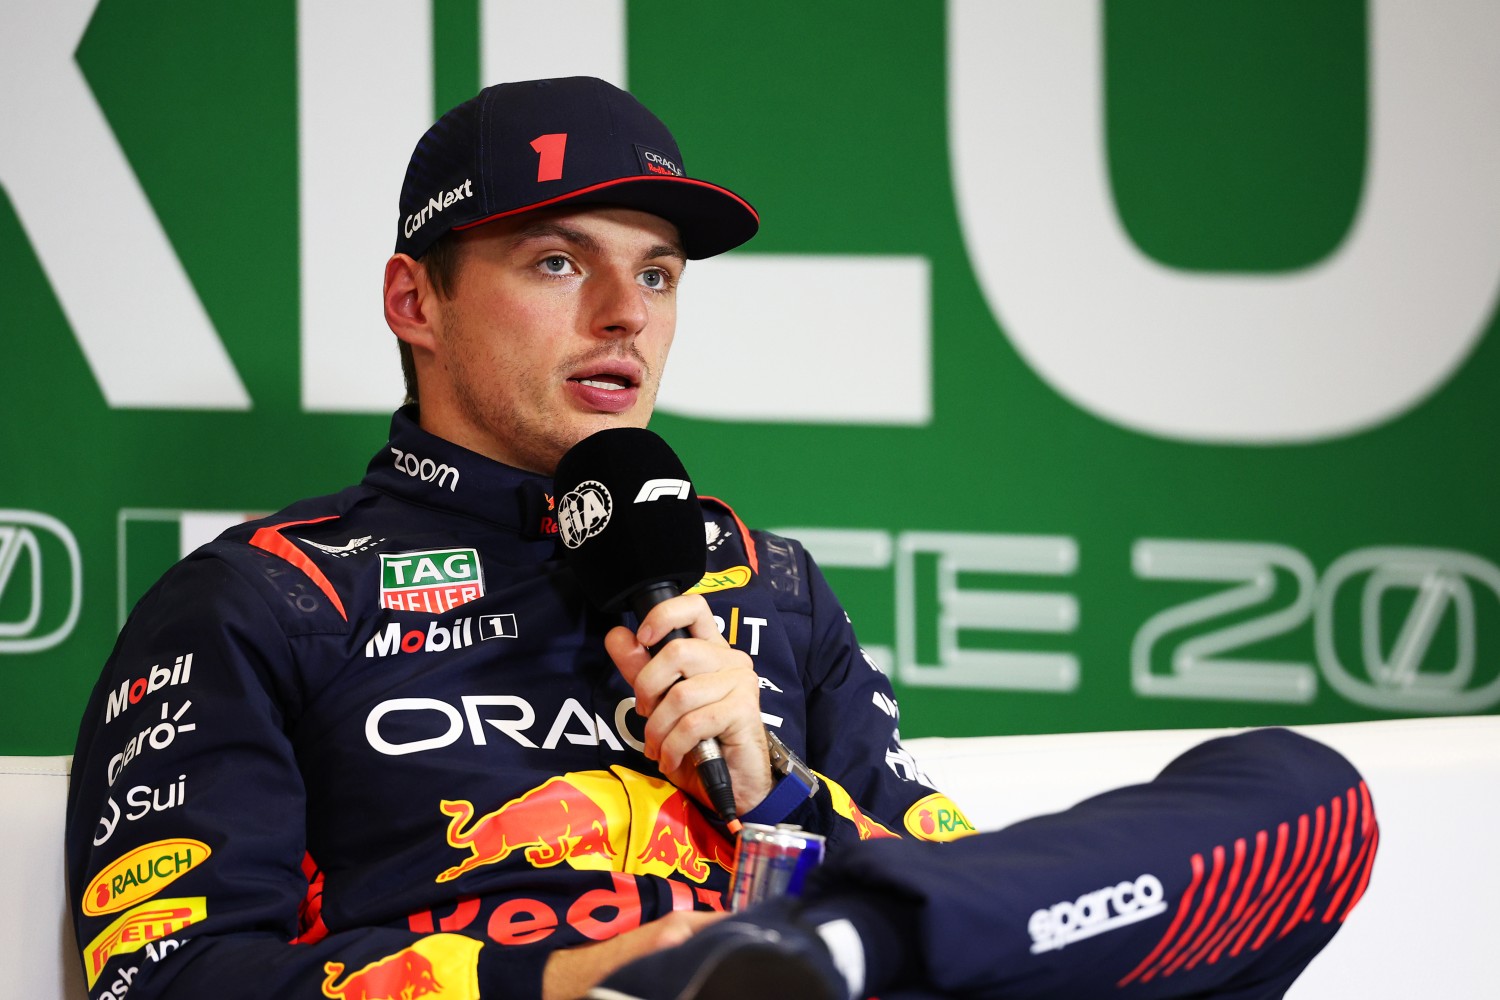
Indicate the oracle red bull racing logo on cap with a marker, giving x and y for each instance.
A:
(439, 965)
(434, 581)
(616, 820)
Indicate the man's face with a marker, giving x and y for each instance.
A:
(558, 326)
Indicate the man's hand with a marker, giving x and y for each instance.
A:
(695, 689)
(572, 972)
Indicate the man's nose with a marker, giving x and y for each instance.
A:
(619, 307)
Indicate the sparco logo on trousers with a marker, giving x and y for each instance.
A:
(426, 469)
(1096, 912)
(436, 204)
(583, 512)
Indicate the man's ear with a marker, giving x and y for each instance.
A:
(409, 302)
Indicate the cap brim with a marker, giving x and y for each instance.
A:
(710, 219)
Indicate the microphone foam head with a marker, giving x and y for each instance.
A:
(628, 516)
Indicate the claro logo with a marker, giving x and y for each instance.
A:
(426, 469)
(29, 544)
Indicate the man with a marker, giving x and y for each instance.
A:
(378, 745)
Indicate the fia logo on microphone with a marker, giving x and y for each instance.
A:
(583, 512)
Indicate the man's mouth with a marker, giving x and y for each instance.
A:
(611, 383)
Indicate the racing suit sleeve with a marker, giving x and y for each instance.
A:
(186, 826)
(872, 787)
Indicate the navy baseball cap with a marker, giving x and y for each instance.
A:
(516, 147)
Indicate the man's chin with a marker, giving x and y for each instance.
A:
(580, 429)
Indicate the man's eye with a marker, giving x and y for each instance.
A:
(655, 279)
(557, 265)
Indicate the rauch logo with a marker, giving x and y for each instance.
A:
(434, 581)
(141, 874)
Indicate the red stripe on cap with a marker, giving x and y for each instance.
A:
(605, 185)
(271, 541)
(1166, 939)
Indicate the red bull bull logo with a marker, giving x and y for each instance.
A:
(560, 820)
(616, 820)
(682, 840)
(442, 965)
(846, 807)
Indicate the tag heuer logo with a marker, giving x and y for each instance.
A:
(434, 582)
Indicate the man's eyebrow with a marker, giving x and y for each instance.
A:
(541, 230)
(666, 250)
(582, 240)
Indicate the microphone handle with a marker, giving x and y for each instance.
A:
(707, 756)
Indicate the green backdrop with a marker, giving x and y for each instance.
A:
(1020, 557)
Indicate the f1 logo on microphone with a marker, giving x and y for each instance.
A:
(29, 539)
(655, 489)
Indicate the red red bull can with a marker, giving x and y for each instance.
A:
(771, 861)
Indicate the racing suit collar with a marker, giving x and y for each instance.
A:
(425, 469)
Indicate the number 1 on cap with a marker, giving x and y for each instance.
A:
(549, 150)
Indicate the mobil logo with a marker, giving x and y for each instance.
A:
(437, 637)
(131, 692)
(434, 638)
(566, 818)
(682, 841)
(434, 581)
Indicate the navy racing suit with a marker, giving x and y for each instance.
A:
(372, 746)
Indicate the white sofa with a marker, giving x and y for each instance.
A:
(1423, 929)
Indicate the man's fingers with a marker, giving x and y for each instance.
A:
(655, 680)
(685, 611)
(708, 706)
(629, 655)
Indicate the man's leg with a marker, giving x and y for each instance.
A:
(1228, 872)
(1224, 875)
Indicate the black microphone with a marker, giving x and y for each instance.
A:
(632, 532)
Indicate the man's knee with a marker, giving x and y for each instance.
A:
(1293, 761)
